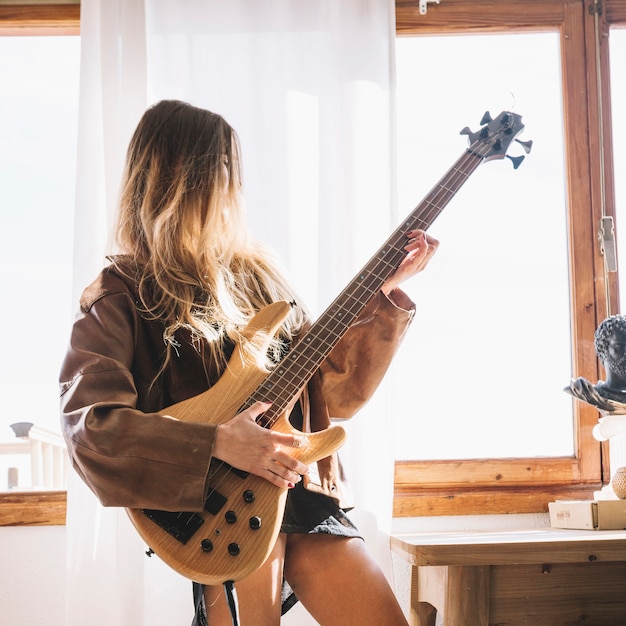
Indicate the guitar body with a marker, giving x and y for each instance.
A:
(237, 532)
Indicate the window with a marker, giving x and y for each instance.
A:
(39, 109)
(524, 477)
(618, 99)
(495, 298)
(39, 114)
(429, 486)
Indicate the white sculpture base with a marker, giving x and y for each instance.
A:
(612, 428)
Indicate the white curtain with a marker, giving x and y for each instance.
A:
(307, 85)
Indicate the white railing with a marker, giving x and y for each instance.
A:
(47, 467)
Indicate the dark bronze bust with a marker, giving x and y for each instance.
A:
(608, 396)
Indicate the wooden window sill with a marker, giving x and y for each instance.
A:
(39, 19)
(419, 502)
(33, 508)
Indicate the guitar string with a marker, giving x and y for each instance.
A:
(297, 380)
(356, 295)
(431, 205)
(421, 217)
(326, 321)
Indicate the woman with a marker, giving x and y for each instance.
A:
(158, 326)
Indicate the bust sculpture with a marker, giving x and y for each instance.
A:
(608, 396)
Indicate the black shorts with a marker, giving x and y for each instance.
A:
(305, 512)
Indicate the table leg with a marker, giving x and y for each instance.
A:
(427, 594)
(467, 596)
(424, 615)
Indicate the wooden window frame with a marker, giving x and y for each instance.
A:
(526, 485)
(39, 19)
(36, 508)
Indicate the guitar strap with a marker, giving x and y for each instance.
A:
(231, 598)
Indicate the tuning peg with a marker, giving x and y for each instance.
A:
(486, 118)
(527, 145)
(516, 160)
(466, 131)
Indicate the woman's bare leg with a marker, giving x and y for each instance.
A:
(258, 594)
(339, 583)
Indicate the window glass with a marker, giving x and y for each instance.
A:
(38, 127)
(617, 51)
(483, 368)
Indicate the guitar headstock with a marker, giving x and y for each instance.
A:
(495, 137)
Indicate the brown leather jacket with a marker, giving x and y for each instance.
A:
(130, 455)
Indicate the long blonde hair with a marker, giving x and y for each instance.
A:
(182, 225)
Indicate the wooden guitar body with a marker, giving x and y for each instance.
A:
(239, 527)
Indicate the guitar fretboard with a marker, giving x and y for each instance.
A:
(297, 367)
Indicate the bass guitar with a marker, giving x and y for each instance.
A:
(238, 527)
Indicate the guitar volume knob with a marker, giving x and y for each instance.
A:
(255, 522)
(230, 517)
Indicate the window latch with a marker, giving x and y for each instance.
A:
(607, 243)
(424, 5)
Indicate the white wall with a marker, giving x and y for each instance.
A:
(33, 588)
(32, 576)
(32, 569)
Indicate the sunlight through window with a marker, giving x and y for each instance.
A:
(483, 369)
(38, 127)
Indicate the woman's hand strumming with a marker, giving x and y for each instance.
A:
(244, 444)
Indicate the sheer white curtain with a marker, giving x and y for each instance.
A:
(307, 85)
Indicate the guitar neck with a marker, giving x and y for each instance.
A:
(297, 367)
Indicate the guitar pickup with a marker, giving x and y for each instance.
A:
(214, 502)
(182, 526)
(235, 471)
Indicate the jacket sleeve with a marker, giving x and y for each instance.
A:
(355, 367)
(127, 457)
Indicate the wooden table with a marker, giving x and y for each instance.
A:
(543, 577)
